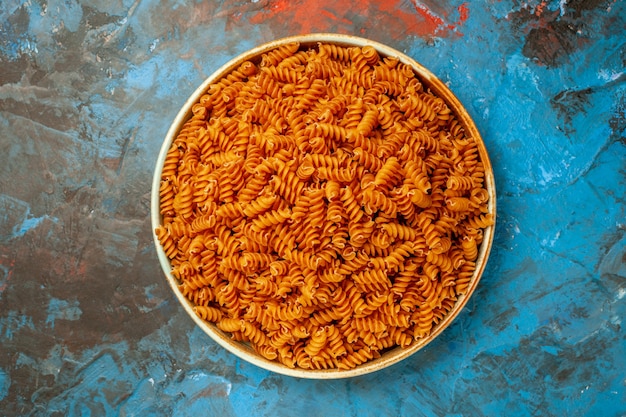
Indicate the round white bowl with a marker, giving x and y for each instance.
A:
(394, 355)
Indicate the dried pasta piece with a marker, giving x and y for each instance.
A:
(208, 313)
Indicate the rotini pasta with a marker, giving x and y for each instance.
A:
(323, 206)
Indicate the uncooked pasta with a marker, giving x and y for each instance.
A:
(323, 206)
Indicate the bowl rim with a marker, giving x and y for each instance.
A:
(399, 354)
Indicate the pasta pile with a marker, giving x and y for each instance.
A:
(323, 206)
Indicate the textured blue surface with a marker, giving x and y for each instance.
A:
(88, 325)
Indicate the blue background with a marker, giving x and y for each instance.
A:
(88, 325)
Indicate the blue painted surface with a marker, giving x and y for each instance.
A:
(88, 325)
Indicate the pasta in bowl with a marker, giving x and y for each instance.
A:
(323, 206)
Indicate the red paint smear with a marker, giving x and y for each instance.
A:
(309, 16)
(463, 13)
(405, 21)
(332, 16)
(280, 5)
(435, 21)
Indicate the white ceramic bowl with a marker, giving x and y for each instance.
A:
(396, 354)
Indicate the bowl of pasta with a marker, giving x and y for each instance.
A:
(323, 206)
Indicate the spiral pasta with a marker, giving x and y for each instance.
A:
(323, 206)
